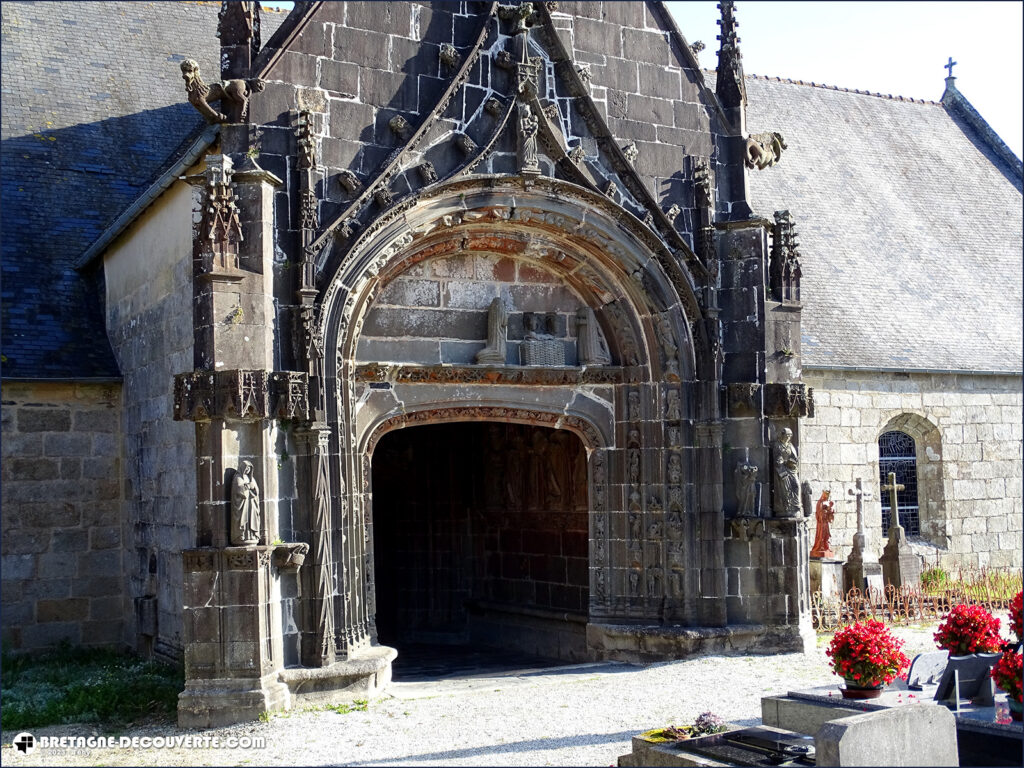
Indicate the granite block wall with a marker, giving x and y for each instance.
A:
(149, 321)
(62, 479)
(968, 433)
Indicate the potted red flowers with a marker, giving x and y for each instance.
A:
(1015, 616)
(1007, 675)
(969, 629)
(867, 656)
(1008, 671)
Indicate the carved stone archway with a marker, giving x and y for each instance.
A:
(653, 471)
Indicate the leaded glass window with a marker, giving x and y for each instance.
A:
(897, 453)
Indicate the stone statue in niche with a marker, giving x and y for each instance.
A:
(245, 507)
(634, 584)
(592, 347)
(787, 481)
(824, 514)
(746, 487)
(634, 405)
(497, 327)
(528, 124)
(673, 408)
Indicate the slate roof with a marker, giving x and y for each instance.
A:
(93, 108)
(909, 226)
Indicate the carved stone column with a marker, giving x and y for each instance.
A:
(711, 523)
(317, 603)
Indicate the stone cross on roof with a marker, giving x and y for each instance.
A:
(950, 66)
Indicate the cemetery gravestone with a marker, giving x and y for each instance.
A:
(918, 734)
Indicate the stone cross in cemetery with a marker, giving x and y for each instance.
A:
(900, 566)
(862, 570)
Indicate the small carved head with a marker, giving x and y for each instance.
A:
(189, 70)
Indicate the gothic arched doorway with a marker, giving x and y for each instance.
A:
(480, 537)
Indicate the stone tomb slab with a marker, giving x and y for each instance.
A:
(980, 739)
(919, 734)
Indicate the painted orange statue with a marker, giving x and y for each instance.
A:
(824, 514)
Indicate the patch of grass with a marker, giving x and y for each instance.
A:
(359, 705)
(84, 685)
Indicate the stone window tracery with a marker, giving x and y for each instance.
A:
(897, 452)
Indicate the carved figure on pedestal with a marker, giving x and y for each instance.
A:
(787, 481)
(746, 487)
(497, 326)
(673, 409)
(528, 140)
(245, 507)
(824, 514)
(634, 405)
(592, 347)
(200, 94)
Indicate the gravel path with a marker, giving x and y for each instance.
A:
(582, 715)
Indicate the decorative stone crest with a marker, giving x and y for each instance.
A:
(289, 395)
(631, 151)
(611, 190)
(200, 94)
(308, 218)
(673, 212)
(493, 107)
(383, 196)
(221, 230)
(576, 154)
(449, 56)
(349, 181)
(427, 172)
(400, 127)
(788, 400)
(583, 70)
(466, 144)
(764, 150)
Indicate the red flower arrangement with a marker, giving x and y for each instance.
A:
(969, 629)
(1008, 672)
(867, 654)
(1015, 616)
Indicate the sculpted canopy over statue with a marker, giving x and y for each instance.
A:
(200, 94)
(245, 507)
(787, 482)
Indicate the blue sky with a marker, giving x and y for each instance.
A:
(897, 48)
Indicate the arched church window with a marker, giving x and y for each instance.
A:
(897, 453)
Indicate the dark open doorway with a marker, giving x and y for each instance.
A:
(481, 538)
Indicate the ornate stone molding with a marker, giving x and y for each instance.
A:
(584, 429)
(788, 400)
(239, 394)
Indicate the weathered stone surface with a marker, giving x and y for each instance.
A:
(914, 734)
